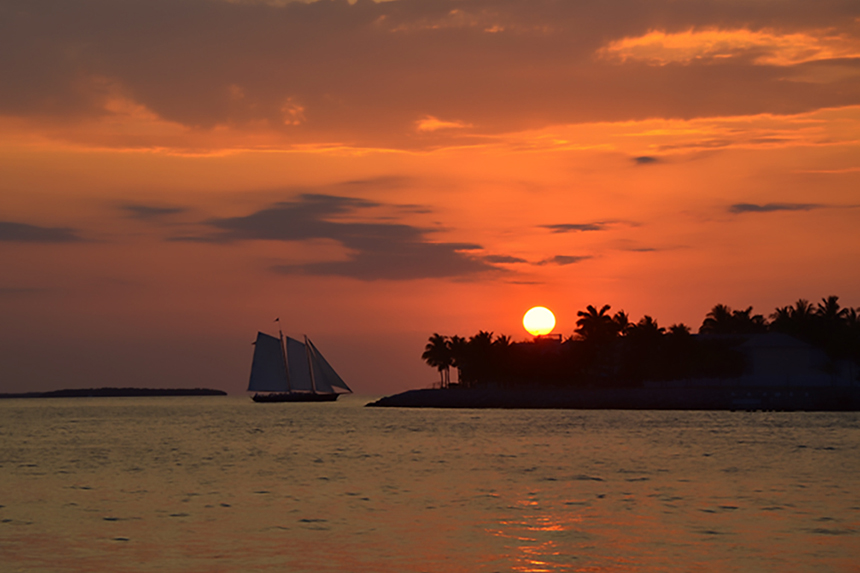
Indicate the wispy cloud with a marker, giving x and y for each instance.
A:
(430, 124)
(772, 207)
(26, 233)
(563, 260)
(377, 250)
(714, 44)
(576, 227)
(503, 259)
(139, 211)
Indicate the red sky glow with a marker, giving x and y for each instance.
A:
(175, 174)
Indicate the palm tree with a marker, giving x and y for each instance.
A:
(502, 341)
(780, 318)
(723, 320)
(475, 363)
(717, 321)
(802, 309)
(437, 353)
(457, 345)
(647, 326)
(829, 310)
(798, 320)
(622, 322)
(679, 329)
(747, 323)
(596, 325)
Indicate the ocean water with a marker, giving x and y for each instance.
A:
(203, 484)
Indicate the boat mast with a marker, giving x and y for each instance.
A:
(310, 365)
(284, 354)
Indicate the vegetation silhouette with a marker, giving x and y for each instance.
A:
(437, 353)
(609, 350)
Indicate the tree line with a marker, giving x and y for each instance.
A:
(610, 349)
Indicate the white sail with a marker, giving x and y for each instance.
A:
(299, 368)
(268, 371)
(325, 378)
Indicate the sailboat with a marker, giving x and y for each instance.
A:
(287, 370)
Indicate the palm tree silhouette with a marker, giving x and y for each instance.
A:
(723, 320)
(457, 345)
(829, 310)
(502, 341)
(647, 326)
(717, 321)
(437, 353)
(622, 322)
(679, 329)
(596, 325)
(802, 309)
(798, 320)
(747, 323)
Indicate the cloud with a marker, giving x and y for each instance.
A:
(378, 250)
(430, 123)
(645, 160)
(563, 260)
(26, 233)
(576, 227)
(194, 239)
(497, 66)
(397, 262)
(503, 259)
(771, 207)
(138, 211)
(660, 48)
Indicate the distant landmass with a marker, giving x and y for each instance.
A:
(809, 399)
(117, 392)
(805, 357)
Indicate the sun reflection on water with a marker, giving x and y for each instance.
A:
(171, 485)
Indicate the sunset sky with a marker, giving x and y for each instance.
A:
(175, 174)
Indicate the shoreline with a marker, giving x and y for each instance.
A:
(115, 393)
(810, 399)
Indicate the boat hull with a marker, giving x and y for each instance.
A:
(294, 397)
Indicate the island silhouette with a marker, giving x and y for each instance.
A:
(802, 357)
(116, 393)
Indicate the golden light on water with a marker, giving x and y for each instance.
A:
(539, 320)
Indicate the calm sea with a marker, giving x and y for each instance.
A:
(224, 484)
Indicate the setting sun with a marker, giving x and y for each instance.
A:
(539, 321)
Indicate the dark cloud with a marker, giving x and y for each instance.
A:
(771, 207)
(377, 183)
(576, 227)
(645, 160)
(503, 259)
(563, 260)
(205, 63)
(194, 239)
(149, 211)
(389, 251)
(398, 261)
(26, 233)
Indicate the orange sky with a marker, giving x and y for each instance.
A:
(174, 174)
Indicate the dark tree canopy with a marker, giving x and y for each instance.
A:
(607, 349)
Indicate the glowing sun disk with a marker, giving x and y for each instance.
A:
(539, 321)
